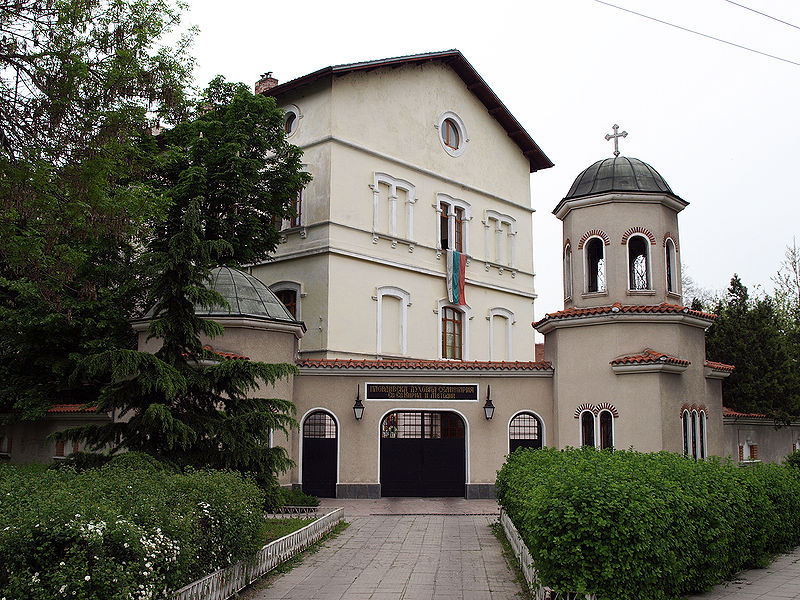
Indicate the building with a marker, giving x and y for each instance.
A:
(406, 295)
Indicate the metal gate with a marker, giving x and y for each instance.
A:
(319, 455)
(524, 431)
(423, 454)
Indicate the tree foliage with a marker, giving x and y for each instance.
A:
(80, 82)
(751, 333)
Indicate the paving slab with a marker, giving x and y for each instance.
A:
(779, 581)
(409, 549)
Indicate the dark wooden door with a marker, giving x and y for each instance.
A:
(319, 455)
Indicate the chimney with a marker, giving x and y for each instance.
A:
(267, 82)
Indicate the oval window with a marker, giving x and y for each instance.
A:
(450, 135)
(290, 123)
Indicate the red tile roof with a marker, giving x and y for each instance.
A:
(729, 412)
(663, 308)
(650, 357)
(718, 366)
(228, 355)
(443, 365)
(473, 81)
(71, 408)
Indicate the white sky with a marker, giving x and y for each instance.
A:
(721, 125)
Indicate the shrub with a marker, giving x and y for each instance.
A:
(627, 525)
(296, 497)
(120, 532)
(79, 461)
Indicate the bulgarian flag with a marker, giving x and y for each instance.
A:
(456, 274)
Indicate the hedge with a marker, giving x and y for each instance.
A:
(628, 525)
(121, 532)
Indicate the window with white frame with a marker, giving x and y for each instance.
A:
(453, 330)
(392, 207)
(501, 321)
(595, 260)
(587, 428)
(291, 119)
(695, 434)
(500, 232)
(290, 293)
(525, 430)
(638, 263)
(393, 303)
(452, 223)
(606, 424)
(452, 133)
(567, 272)
(672, 266)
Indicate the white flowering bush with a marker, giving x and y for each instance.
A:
(120, 533)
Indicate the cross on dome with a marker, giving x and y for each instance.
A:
(615, 136)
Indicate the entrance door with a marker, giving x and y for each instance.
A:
(524, 431)
(319, 455)
(423, 454)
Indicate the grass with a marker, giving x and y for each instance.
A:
(277, 528)
(511, 561)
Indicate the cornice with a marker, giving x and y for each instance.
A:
(620, 317)
(566, 205)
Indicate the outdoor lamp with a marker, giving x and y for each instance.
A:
(358, 407)
(488, 408)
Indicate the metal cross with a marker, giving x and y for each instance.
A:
(616, 137)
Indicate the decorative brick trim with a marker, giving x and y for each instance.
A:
(692, 407)
(566, 243)
(641, 230)
(669, 236)
(596, 408)
(591, 233)
(609, 407)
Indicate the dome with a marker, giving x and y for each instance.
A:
(620, 174)
(246, 295)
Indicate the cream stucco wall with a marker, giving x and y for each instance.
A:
(615, 218)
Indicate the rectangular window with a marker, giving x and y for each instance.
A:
(297, 208)
(289, 299)
(60, 448)
(444, 227)
(451, 333)
(458, 242)
(753, 451)
(741, 453)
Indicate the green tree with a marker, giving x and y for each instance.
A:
(749, 334)
(225, 174)
(80, 83)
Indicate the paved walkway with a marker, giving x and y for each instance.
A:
(410, 549)
(779, 581)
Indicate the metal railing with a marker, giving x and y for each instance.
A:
(224, 583)
(539, 591)
(297, 512)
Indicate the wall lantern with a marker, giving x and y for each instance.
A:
(358, 407)
(488, 408)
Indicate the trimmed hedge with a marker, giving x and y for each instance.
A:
(628, 525)
(121, 532)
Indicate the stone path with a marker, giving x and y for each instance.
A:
(405, 549)
(779, 581)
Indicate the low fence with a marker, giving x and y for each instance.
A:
(539, 591)
(224, 583)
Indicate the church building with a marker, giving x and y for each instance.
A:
(403, 290)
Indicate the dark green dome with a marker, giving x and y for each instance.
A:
(246, 295)
(620, 174)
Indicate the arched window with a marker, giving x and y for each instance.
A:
(453, 223)
(685, 419)
(393, 303)
(452, 338)
(672, 270)
(587, 428)
(501, 321)
(290, 293)
(606, 430)
(694, 434)
(595, 265)
(567, 271)
(638, 264)
(702, 426)
(289, 299)
(525, 430)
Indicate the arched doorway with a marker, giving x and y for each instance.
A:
(423, 453)
(525, 431)
(319, 454)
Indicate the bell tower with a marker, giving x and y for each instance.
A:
(621, 243)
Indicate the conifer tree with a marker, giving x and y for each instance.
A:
(224, 174)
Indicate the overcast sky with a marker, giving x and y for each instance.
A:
(721, 124)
